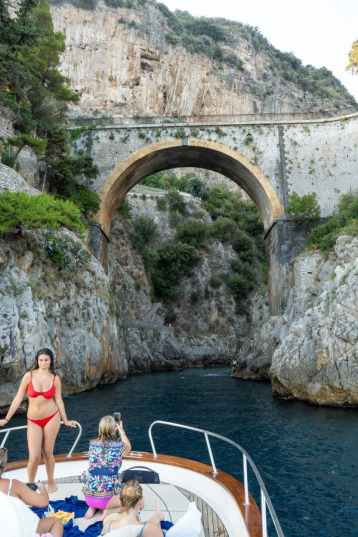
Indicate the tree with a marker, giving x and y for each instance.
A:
(303, 209)
(30, 81)
(67, 181)
(353, 58)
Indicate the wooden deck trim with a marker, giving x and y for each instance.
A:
(251, 513)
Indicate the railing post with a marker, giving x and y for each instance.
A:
(152, 441)
(263, 515)
(76, 441)
(215, 472)
(246, 481)
(5, 438)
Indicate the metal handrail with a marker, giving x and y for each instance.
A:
(265, 499)
(10, 429)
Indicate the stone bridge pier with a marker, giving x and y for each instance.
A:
(284, 241)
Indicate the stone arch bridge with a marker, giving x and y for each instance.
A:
(268, 160)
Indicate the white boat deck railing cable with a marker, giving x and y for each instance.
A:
(265, 499)
(7, 431)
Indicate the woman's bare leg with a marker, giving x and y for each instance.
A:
(34, 441)
(157, 516)
(50, 525)
(50, 433)
(113, 506)
(91, 511)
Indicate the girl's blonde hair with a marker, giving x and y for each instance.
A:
(3, 459)
(131, 493)
(107, 429)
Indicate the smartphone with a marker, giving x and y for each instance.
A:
(117, 417)
(32, 486)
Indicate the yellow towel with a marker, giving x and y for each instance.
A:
(63, 516)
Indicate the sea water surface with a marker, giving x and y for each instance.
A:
(307, 455)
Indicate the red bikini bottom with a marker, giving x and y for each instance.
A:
(44, 421)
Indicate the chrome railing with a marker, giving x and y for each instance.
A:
(264, 497)
(7, 431)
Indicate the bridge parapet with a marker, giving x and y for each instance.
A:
(223, 119)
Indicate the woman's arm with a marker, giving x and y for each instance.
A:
(124, 438)
(60, 403)
(17, 399)
(29, 496)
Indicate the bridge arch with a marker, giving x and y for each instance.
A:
(188, 152)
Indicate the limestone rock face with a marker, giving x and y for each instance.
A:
(71, 314)
(119, 62)
(205, 328)
(13, 181)
(314, 343)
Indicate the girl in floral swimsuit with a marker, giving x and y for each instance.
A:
(44, 413)
(103, 481)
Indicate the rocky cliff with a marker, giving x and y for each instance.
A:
(205, 330)
(311, 352)
(70, 313)
(102, 326)
(120, 62)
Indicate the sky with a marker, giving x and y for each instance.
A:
(318, 32)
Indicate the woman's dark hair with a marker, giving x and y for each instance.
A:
(46, 352)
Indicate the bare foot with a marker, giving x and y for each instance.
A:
(51, 487)
(90, 513)
(158, 512)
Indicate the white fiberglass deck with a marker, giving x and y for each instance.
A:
(210, 492)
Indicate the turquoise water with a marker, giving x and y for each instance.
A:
(307, 455)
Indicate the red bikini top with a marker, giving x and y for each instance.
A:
(31, 392)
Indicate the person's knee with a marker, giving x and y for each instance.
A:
(48, 453)
(34, 458)
(50, 525)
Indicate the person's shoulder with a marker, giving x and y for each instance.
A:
(114, 443)
(27, 376)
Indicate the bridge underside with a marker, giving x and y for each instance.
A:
(188, 152)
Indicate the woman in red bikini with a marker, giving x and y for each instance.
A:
(44, 413)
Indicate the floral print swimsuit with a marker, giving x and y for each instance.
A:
(103, 479)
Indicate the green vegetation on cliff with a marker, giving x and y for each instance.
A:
(19, 210)
(30, 83)
(234, 222)
(303, 209)
(33, 88)
(344, 221)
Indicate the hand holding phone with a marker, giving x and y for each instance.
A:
(117, 417)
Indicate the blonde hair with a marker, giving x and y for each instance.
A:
(131, 493)
(107, 429)
(3, 459)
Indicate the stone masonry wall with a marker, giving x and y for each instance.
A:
(319, 156)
